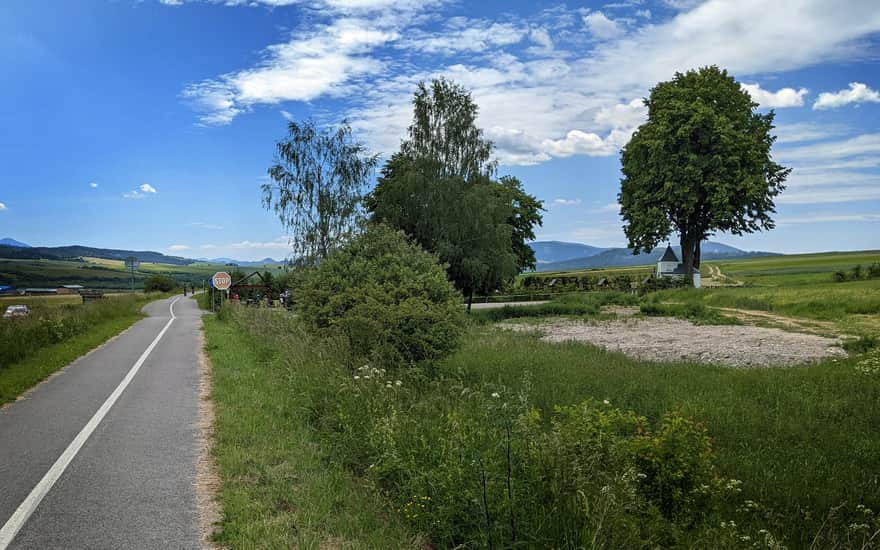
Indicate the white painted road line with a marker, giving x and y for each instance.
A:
(26, 508)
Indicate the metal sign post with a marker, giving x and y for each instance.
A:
(132, 263)
(221, 281)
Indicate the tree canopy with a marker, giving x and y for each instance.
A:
(700, 164)
(439, 189)
(317, 183)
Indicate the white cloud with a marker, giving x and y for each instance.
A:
(178, 247)
(612, 207)
(171, 2)
(848, 218)
(784, 97)
(865, 144)
(467, 35)
(808, 131)
(580, 97)
(857, 93)
(93, 185)
(3, 207)
(144, 191)
(311, 64)
(286, 114)
(601, 26)
(646, 13)
(281, 243)
(204, 225)
(567, 202)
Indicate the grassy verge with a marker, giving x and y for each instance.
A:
(278, 489)
(802, 440)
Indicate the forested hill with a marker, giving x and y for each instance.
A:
(75, 252)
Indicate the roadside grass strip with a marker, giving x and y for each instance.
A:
(278, 488)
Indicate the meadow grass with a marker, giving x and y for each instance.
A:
(40, 301)
(278, 487)
(801, 439)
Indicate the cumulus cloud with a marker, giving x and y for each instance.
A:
(601, 27)
(784, 97)
(93, 185)
(857, 93)
(567, 202)
(3, 207)
(142, 192)
(178, 247)
(536, 102)
(307, 66)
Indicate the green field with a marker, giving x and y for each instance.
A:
(803, 441)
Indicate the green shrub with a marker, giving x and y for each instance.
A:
(159, 283)
(390, 299)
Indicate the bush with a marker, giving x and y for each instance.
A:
(159, 283)
(387, 296)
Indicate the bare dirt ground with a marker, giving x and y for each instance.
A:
(669, 339)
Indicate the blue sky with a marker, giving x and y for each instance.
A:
(147, 124)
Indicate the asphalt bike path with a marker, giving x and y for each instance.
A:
(103, 454)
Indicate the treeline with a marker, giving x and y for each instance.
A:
(858, 273)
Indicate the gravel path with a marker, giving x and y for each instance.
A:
(669, 339)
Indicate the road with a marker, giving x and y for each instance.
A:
(80, 470)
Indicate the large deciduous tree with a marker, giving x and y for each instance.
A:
(700, 164)
(439, 188)
(316, 186)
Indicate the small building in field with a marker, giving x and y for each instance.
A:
(669, 266)
(40, 291)
(69, 289)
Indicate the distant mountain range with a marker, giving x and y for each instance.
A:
(13, 249)
(12, 242)
(257, 263)
(561, 256)
(550, 255)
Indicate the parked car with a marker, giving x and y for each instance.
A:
(16, 311)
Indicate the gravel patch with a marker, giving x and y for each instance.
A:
(670, 339)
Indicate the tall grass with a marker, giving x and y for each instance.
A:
(22, 337)
(802, 440)
(279, 489)
(471, 455)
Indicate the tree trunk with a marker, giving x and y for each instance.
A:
(470, 300)
(688, 247)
